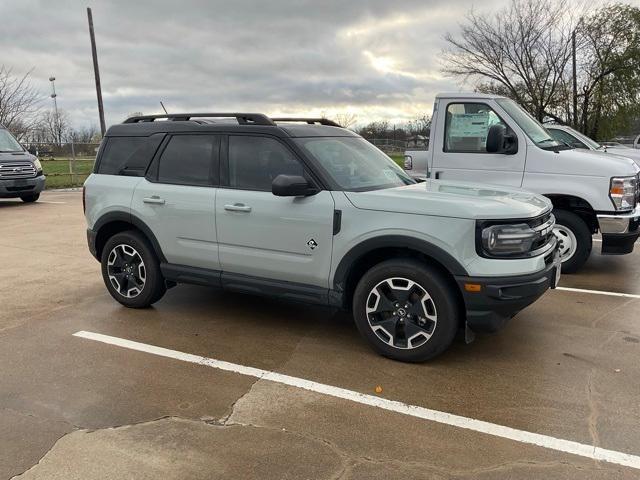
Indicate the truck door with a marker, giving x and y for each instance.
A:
(461, 153)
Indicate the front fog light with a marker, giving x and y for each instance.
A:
(508, 239)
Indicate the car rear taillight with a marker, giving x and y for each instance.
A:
(84, 203)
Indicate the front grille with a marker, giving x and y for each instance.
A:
(544, 226)
(637, 189)
(13, 170)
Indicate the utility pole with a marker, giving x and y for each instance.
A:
(575, 81)
(96, 71)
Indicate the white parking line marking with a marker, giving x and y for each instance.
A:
(545, 441)
(598, 292)
(47, 201)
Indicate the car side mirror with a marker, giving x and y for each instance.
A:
(292, 186)
(499, 141)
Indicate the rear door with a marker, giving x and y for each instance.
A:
(265, 236)
(462, 128)
(177, 199)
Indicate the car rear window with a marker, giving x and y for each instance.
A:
(127, 155)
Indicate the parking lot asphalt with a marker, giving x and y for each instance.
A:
(72, 408)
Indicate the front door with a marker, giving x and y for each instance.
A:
(462, 153)
(265, 236)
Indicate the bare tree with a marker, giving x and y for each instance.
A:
(346, 119)
(86, 134)
(522, 51)
(54, 128)
(19, 101)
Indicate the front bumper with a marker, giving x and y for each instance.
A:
(22, 186)
(500, 298)
(619, 232)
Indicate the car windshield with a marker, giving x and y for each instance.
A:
(8, 143)
(531, 127)
(584, 139)
(354, 164)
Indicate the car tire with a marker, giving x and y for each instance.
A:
(408, 341)
(574, 238)
(32, 197)
(131, 271)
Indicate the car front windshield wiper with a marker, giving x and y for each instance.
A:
(10, 151)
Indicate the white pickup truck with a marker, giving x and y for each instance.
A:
(491, 139)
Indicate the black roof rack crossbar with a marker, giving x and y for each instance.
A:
(310, 121)
(243, 118)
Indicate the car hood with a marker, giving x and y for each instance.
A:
(582, 162)
(16, 157)
(633, 154)
(453, 199)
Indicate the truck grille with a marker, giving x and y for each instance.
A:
(17, 170)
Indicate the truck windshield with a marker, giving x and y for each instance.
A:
(8, 143)
(354, 164)
(531, 127)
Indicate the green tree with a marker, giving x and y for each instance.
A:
(609, 70)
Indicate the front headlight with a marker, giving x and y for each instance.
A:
(499, 240)
(623, 192)
(38, 165)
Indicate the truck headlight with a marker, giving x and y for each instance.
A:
(623, 192)
(408, 162)
(38, 165)
(500, 240)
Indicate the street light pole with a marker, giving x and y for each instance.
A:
(54, 95)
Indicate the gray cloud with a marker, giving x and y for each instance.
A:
(375, 58)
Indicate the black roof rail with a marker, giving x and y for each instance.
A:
(310, 121)
(242, 118)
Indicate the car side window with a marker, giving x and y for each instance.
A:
(467, 126)
(255, 161)
(190, 160)
(567, 138)
(120, 151)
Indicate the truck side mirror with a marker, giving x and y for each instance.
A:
(499, 141)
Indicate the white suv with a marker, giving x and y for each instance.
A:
(308, 211)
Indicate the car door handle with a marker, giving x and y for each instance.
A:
(154, 200)
(238, 207)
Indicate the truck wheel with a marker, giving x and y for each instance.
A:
(574, 238)
(32, 197)
(131, 271)
(406, 310)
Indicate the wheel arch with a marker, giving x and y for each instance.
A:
(576, 205)
(370, 252)
(116, 222)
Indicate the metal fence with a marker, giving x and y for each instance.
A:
(65, 165)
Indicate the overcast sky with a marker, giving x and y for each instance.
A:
(377, 59)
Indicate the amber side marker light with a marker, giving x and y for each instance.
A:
(473, 287)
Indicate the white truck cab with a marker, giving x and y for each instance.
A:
(491, 139)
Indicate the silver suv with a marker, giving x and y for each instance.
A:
(305, 210)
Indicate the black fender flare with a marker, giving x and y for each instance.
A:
(395, 241)
(126, 217)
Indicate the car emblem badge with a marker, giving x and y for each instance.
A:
(17, 169)
(312, 244)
